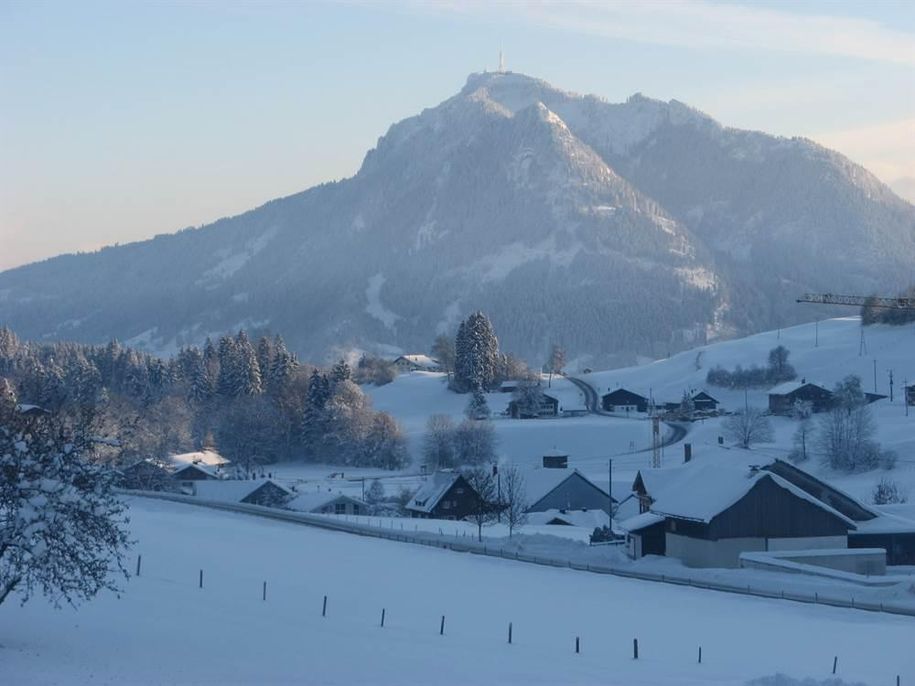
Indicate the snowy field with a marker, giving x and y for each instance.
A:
(164, 630)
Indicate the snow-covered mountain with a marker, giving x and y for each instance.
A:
(631, 228)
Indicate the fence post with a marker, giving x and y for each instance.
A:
(509, 633)
(200, 582)
(835, 663)
(264, 595)
(577, 645)
(382, 617)
(139, 560)
(441, 628)
(700, 655)
(324, 608)
(635, 649)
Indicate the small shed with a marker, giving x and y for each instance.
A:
(444, 495)
(622, 400)
(644, 535)
(783, 397)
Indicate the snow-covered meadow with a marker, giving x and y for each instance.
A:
(163, 629)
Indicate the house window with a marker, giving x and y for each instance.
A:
(459, 491)
(355, 509)
(340, 508)
(446, 504)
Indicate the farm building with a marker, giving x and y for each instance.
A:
(588, 519)
(444, 495)
(875, 528)
(549, 407)
(328, 502)
(509, 386)
(783, 397)
(264, 492)
(710, 513)
(206, 457)
(417, 363)
(622, 400)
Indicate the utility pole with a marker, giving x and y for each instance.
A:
(891, 385)
(610, 487)
(875, 375)
(816, 340)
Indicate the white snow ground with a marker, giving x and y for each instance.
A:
(164, 630)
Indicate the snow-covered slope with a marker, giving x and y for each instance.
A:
(821, 353)
(622, 229)
(164, 630)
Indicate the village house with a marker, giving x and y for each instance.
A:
(556, 487)
(703, 402)
(549, 407)
(146, 475)
(417, 363)
(444, 495)
(195, 472)
(265, 492)
(783, 398)
(622, 400)
(328, 502)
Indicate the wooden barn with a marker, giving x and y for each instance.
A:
(444, 495)
(783, 397)
(147, 475)
(711, 513)
(622, 400)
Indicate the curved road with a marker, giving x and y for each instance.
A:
(592, 401)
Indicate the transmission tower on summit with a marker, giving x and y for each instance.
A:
(501, 61)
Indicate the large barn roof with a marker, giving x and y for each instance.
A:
(209, 458)
(306, 502)
(702, 492)
(231, 490)
(789, 387)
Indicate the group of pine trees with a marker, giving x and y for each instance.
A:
(254, 400)
(476, 361)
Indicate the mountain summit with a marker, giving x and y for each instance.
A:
(616, 229)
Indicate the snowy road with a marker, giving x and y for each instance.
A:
(165, 630)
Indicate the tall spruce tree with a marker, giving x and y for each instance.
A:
(476, 354)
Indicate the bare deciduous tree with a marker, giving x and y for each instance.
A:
(513, 498)
(485, 505)
(747, 427)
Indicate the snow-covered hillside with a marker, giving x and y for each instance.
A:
(165, 630)
(589, 441)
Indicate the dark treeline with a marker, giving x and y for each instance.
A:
(776, 371)
(253, 401)
(884, 315)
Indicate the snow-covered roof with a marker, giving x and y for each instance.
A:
(231, 490)
(589, 519)
(791, 386)
(541, 481)
(309, 502)
(886, 523)
(420, 361)
(641, 521)
(432, 490)
(703, 491)
(210, 458)
(210, 471)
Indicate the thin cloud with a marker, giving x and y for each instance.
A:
(887, 149)
(699, 24)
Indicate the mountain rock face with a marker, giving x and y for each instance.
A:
(614, 229)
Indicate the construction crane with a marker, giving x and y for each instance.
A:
(858, 301)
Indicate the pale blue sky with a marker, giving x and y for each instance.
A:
(120, 120)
